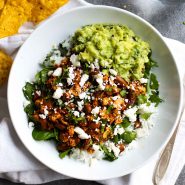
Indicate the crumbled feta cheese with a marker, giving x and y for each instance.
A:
(38, 93)
(99, 79)
(113, 72)
(115, 98)
(96, 63)
(82, 95)
(58, 93)
(111, 147)
(131, 113)
(92, 67)
(126, 100)
(82, 114)
(96, 110)
(57, 59)
(118, 130)
(80, 105)
(96, 120)
(74, 60)
(71, 76)
(60, 85)
(81, 133)
(57, 72)
(143, 80)
(42, 116)
(46, 112)
(50, 73)
(84, 78)
(76, 113)
(30, 124)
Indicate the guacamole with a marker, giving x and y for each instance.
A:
(114, 46)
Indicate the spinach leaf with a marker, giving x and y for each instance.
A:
(29, 109)
(153, 82)
(28, 91)
(109, 156)
(154, 98)
(125, 123)
(42, 76)
(63, 50)
(42, 135)
(148, 66)
(63, 154)
(109, 109)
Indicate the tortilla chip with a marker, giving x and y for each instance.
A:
(44, 8)
(5, 65)
(14, 14)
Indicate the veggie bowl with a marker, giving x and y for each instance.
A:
(115, 101)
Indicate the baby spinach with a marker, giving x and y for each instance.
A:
(43, 135)
(28, 91)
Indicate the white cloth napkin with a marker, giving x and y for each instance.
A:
(18, 165)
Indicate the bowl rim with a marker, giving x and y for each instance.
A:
(180, 106)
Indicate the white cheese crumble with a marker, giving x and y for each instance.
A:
(71, 76)
(111, 147)
(96, 110)
(99, 79)
(118, 130)
(42, 116)
(96, 63)
(82, 95)
(81, 133)
(38, 93)
(115, 98)
(113, 72)
(131, 113)
(50, 73)
(83, 79)
(58, 93)
(76, 113)
(74, 60)
(96, 120)
(46, 112)
(57, 72)
(57, 59)
(92, 67)
(143, 80)
(80, 105)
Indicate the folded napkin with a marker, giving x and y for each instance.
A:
(18, 165)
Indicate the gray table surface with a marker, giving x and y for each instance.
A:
(165, 15)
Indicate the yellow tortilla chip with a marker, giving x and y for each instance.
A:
(44, 8)
(14, 14)
(5, 65)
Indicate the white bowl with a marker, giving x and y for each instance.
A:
(56, 30)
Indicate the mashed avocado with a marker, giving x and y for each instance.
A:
(115, 46)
